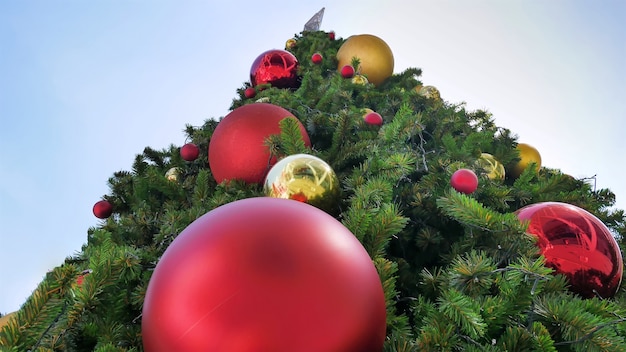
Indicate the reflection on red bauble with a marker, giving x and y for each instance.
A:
(276, 67)
(576, 244)
(464, 181)
(264, 274)
(237, 149)
(102, 209)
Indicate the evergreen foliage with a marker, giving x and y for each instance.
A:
(459, 271)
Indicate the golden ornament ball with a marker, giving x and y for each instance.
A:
(4, 320)
(528, 154)
(491, 166)
(360, 79)
(305, 178)
(375, 57)
(290, 44)
(429, 92)
(173, 174)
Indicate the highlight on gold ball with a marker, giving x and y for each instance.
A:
(528, 155)
(429, 92)
(305, 178)
(173, 174)
(492, 168)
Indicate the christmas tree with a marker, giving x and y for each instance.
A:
(441, 200)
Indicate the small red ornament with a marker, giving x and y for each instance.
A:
(264, 274)
(331, 35)
(237, 149)
(102, 209)
(464, 181)
(249, 93)
(576, 244)
(317, 58)
(347, 71)
(373, 118)
(276, 67)
(189, 152)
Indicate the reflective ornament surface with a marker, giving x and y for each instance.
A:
(237, 149)
(492, 167)
(528, 154)
(276, 67)
(375, 57)
(173, 174)
(429, 92)
(305, 178)
(264, 274)
(576, 244)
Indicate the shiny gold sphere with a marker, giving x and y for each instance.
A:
(4, 320)
(305, 178)
(375, 57)
(360, 79)
(291, 42)
(173, 174)
(429, 92)
(528, 154)
(492, 167)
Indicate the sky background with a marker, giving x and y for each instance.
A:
(86, 85)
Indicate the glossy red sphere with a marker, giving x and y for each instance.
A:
(237, 149)
(347, 71)
(102, 209)
(576, 244)
(317, 58)
(264, 274)
(373, 118)
(189, 152)
(276, 67)
(464, 181)
(249, 93)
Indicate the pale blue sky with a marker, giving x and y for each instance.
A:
(85, 86)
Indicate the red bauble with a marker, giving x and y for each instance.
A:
(576, 244)
(464, 181)
(317, 58)
(347, 71)
(373, 118)
(264, 274)
(249, 93)
(276, 67)
(237, 149)
(102, 209)
(331, 35)
(189, 152)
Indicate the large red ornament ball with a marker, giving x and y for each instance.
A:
(464, 181)
(189, 152)
(237, 149)
(276, 67)
(576, 244)
(264, 274)
(102, 209)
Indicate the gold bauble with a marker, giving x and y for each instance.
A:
(4, 320)
(429, 92)
(493, 168)
(528, 154)
(291, 42)
(375, 57)
(305, 178)
(173, 174)
(360, 79)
